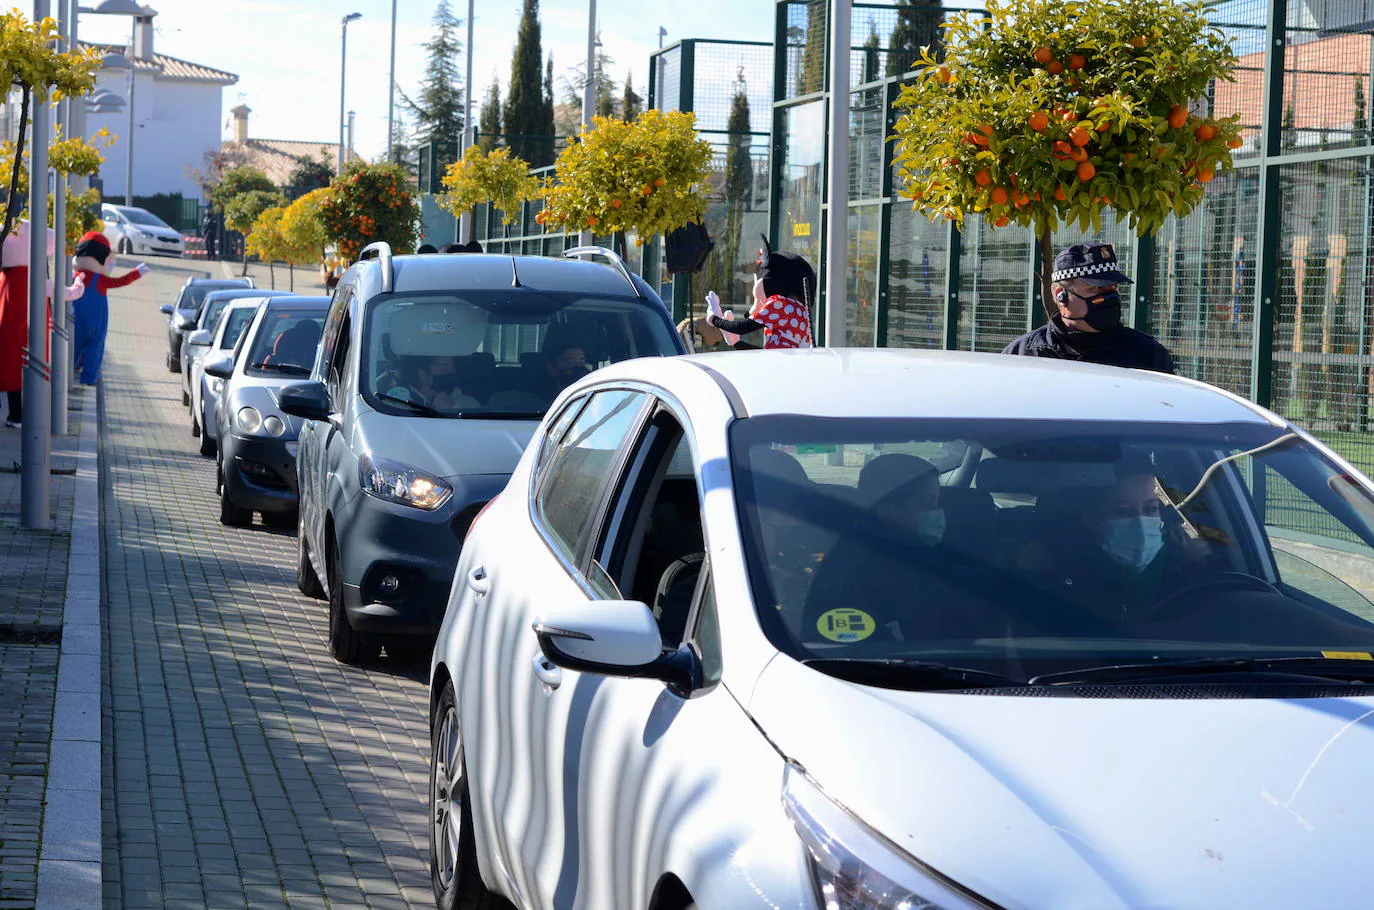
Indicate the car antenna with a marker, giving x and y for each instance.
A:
(514, 275)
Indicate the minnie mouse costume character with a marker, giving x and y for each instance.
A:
(94, 263)
(784, 286)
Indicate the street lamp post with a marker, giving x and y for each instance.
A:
(589, 89)
(129, 138)
(36, 483)
(343, 74)
(391, 92)
(465, 222)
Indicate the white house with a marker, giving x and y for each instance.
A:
(177, 109)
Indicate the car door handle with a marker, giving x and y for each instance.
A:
(479, 581)
(547, 673)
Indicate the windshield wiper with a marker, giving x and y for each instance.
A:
(1311, 668)
(908, 673)
(290, 369)
(501, 415)
(415, 406)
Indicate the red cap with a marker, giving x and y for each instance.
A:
(97, 237)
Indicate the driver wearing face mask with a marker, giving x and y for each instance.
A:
(1088, 325)
(566, 364)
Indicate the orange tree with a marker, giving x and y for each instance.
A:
(642, 176)
(1043, 113)
(370, 202)
(497, 177)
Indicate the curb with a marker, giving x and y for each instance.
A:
(69, 863)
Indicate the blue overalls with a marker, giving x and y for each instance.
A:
(92, 320)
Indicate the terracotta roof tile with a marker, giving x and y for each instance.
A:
(172, 69)
(277, 158)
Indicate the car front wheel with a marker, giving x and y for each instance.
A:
(346, 644)
(231, 515)
(452, 858)
(306, 579)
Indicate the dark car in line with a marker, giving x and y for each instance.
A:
(181, 316)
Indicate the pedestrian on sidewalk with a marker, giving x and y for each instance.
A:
(209, 230)
(95, 262)
(784, 289)
(1088, 326)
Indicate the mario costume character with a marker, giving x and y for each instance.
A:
(784, 287)
(14, 315)
(94, 262)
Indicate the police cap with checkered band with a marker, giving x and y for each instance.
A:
(1095, 263)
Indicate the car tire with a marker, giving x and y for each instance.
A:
(125, 247)
(207, 445)
(453, 871)
(346, 644)
(307, 582)
(231, 515)
(185, 398)
(173, 365)
(280, 521)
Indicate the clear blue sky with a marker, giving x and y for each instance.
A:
(286, 52)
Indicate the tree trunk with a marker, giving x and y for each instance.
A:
(271, 271)
(1046, 268)
(14, 204)
(620, 245)
(291, 271)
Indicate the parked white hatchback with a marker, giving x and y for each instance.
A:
(896, 629)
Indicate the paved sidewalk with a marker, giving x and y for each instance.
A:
(33, 588)
(244, 767)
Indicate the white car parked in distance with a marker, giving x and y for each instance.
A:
(135, 231)
(898, 629)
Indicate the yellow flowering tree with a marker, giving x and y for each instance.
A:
(303, 233)
(1043, 113)
(75, 157)
(497, 177)
(641, 176)
(264, 239)
(31, 63)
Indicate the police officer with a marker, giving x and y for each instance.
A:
(1088, 325)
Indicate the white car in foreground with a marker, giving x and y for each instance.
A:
(895, 629)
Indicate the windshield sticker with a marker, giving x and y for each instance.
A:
(1347, 655)
(846, 625)
(437, 328)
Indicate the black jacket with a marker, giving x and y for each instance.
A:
(1120, 347)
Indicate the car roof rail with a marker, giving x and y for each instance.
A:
(382, 249)
(616, 262)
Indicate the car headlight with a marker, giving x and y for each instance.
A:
(273, 425)
(397, 482)
(854, 867)
(248, 419)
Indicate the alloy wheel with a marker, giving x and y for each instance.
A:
(446, 800)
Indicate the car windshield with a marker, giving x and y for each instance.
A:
(285, 342)
(139, 216)
(497, 354)
(237, 320)
(1022, 548)
(192, 296)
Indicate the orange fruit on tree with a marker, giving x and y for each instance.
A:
(616, 203)
(659, 181)
(1001, 221)
(593, 221)
(1054, 67)
(1178, 116)
(1060, 194)
(944, 75)
(1078, 153)
(1138, 41)
(1038, 121)
(1205, 175)
(983, 178)
(1235, 143)
(646, 190)
(1086, 171)
(1043, 55)
(1079, 136)
(999, 196)
(1104, 126)
(1021, 200)
(1205, 133)
(1062, 149)
(1077, 61)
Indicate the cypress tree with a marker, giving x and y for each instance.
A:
(528, 128)
(811, 72)
(548, 106)
(489, 122)
(918, 26)
(438, 111)
(631, 103)
(870, 58)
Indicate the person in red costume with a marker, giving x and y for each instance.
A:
(14, 315)
(94, 263)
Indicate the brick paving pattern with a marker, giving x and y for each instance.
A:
(33, 586)
(245, 768)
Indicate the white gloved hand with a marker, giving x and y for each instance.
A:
(713, 304)
(77, 288)
(141, 268)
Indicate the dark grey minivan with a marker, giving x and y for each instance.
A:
(433, 373)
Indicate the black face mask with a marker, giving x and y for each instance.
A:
(1104, 310)
(572, 374)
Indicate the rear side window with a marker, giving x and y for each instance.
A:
(571, 485)
(238, 320)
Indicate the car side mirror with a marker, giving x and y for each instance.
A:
(306, 400)
(221, 365)
(186, 323)
(616, 638)
(165, 309)
(200, 336)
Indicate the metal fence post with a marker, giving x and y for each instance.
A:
(1270, 207)
(1144, 288)
(953, 250)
